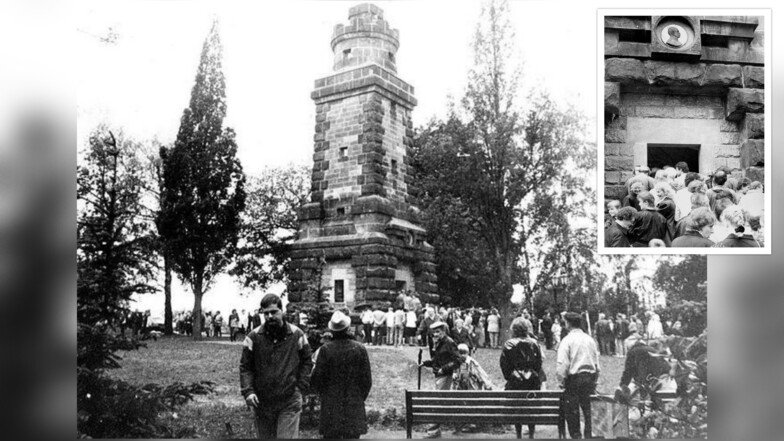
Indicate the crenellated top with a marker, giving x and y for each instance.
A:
(367, 39)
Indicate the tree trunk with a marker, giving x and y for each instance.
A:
(196, 313)
(168, 317)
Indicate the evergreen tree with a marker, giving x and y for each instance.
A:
(113, 248)
(203, 183)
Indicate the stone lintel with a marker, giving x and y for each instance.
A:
(711, 77)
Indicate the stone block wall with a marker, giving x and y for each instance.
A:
(719, 93)
(361, 223)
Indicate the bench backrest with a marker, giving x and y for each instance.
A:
(498, 407)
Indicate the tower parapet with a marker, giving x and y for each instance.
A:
(367, 39)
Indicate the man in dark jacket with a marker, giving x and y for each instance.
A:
(649, 223)
(444, 360)
(343, 380)
(603, 334)
(521, 363)
(275, 371)
(617, 234)
(643, 364)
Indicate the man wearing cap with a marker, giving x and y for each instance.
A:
(444, 360)
(275, 371)
(577, 370)
(342, 378)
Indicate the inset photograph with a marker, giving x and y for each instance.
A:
(685, 129)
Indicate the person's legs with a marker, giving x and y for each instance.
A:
(368, 332)
(442, 383)
(620, 347)
(587, 388)
(266, 423)
(571, 408)
(288, 418)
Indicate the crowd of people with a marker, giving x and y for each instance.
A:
(673, 207)
(278, 365)
(407, 322)
(215, 325)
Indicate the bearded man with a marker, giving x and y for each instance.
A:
(275, 371)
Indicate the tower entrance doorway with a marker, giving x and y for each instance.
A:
(660, 155)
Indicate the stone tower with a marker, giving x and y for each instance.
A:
(359, 238)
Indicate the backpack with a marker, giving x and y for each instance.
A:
(530, 365)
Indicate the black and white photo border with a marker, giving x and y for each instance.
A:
(765, 17)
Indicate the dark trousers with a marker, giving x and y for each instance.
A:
(578, 389)
(279, 420)
(605, 346)
(368, 328)
(534, 383)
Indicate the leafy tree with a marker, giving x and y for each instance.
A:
(203, 182)
(269, 224)
(114, 244)
(113, 247)
(684, 282)
(510, 171)
(464, 268)
(680, 279)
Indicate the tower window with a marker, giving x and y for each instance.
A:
(341, 211)
(346, 53)
(391, 56)
(339, 291)
(343, 153)
(394, 166)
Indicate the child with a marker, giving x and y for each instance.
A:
(612, 209)
(470, 376)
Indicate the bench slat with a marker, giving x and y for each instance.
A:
(482, 418)
(489, 410)
(486, 393)
(519, 402)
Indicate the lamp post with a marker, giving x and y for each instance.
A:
(559, 280)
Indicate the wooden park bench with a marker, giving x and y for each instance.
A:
(520, 407)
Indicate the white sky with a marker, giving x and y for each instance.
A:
(273, 53)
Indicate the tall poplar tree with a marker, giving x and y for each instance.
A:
(203, 183)
(513, 170)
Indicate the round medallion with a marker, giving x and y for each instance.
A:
(674, 35)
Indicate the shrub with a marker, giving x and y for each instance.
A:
(111, 408)
(687, 415)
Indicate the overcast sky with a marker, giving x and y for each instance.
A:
(137, 62)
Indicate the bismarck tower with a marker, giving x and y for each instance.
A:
(360, 240)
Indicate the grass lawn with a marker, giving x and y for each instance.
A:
(223, 414)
